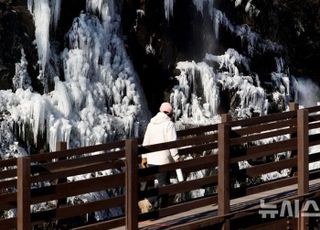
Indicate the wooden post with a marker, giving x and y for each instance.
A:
(224, 169)
(225, 117)
(303, 160)
(61, 146)
(23, 194)
(293, 107)
(131, 184)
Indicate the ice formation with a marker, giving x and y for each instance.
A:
(100, 98)
(199, 4)
(21, 78)
(56, 7)
(41, 12)
(168, 9)
(196, 98)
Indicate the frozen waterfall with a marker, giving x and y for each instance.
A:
(197, 97)
(100, 99)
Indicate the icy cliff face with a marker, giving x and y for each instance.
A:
(99, 98)
(198, 96)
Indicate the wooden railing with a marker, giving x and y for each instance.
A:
(114, 169)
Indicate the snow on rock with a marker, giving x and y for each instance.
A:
(250, 8)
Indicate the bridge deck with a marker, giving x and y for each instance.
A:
(246, 202)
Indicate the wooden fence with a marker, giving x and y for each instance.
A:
(269, 143)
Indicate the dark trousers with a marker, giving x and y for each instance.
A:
(163, 180)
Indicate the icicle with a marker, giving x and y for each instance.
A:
(41, 15)
(199, 4)
(21, 78)
(38, 115)
(237, 3)
(95, 5)
(280, 64)
(56, 5)
(30, 5)
(168, 9)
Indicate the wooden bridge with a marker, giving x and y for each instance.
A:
(233, 197)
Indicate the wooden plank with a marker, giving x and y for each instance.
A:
(314, 109)
(265, 186)
(314, 157)
(8, 173)
(270, 167)
(253, 152)
(23, 194)
(78, 210)
(10, 223)
(184, 186)
(201, 162)
(314, 139)
(103, 225)
(77, 162)
(59, 191)
(180, 207)
(314, 174)
(259, 136)
(264, 119)
(9, 162)
(197, 130)
(132, 185)
(7, 184)
(254, 221)
(313, 118)
(314, 125)
(66, 172)
(178, 143)
(77, 152)
(8, 201)
(198, 149)
(212, 222)
(264, 127)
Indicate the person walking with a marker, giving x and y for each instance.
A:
(161, 129)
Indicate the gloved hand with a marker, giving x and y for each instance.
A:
(144, 163)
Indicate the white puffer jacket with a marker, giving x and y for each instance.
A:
(160, 129)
